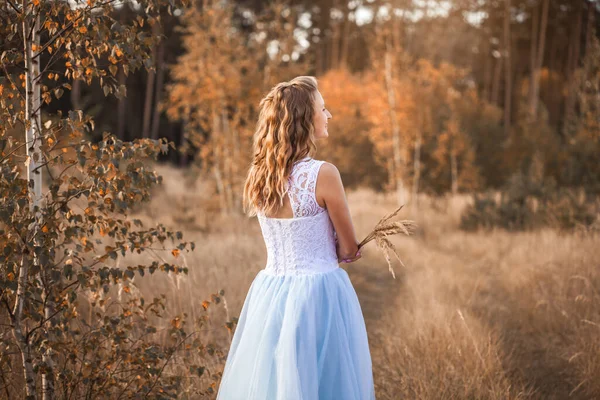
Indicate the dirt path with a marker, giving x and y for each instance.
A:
(375, 288)
(529, 362)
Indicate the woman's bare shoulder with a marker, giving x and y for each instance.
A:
(328, 173)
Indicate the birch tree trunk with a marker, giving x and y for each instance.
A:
(539, 60)
(572, 64)
(34, 177)
(591, 25)
(495, 96)
(345, 39)
(487, 74)
(160, 80)
(121, 108)
(216, 162)
(76, 94)
(148, 100)
(389, 83)
(535, 21)
(454, 171)
(335, 41)
(228, 160)
(507, 70)
(417, 170)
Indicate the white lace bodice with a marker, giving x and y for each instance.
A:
(304, 244)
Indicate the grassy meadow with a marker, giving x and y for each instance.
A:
(485, 315)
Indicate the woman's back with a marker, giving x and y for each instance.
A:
(301, 333)
(304, 243)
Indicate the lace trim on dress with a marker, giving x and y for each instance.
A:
(301, 188)
(305, 243)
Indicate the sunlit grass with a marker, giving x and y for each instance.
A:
(486, 315)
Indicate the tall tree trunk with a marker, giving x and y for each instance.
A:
(160, 79)
(322, 50)
(577, 42)
(183, 140)
(495, 98)
(334, 53)
(539, 59)
(216, 134)
(487, 72)
(122, 103)
(389, 83)
(148, 100)
(572, 64)
(345, 39)
(535, 21)
(454, 172)
(591, 25)
(507, 70)
(76, 94)
(235, 137)
(228, 160)
(33, 163)
(417, 170)
(121, 107)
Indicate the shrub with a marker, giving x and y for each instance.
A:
(525, 204)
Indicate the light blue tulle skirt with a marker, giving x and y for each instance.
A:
(299, 338)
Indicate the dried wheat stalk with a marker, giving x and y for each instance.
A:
(385, 228)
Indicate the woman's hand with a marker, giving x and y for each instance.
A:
(349, 260)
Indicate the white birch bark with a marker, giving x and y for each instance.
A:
(397, 155)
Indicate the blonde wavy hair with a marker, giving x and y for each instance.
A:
(284, 135)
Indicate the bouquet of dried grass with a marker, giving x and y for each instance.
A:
(385, 228)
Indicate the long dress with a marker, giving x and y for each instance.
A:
(301, 334)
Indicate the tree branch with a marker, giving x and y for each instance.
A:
(13, 6)
(69, 26)
(42, 322)
(12, 82)
(167, 362)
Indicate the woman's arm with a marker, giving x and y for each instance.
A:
(331, 195)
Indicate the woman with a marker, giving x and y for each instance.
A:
(301, 333)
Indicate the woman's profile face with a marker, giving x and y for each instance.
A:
(322, 115)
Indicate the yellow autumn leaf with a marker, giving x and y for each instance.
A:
(175, 252)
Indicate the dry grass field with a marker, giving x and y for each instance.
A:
(486, 315)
